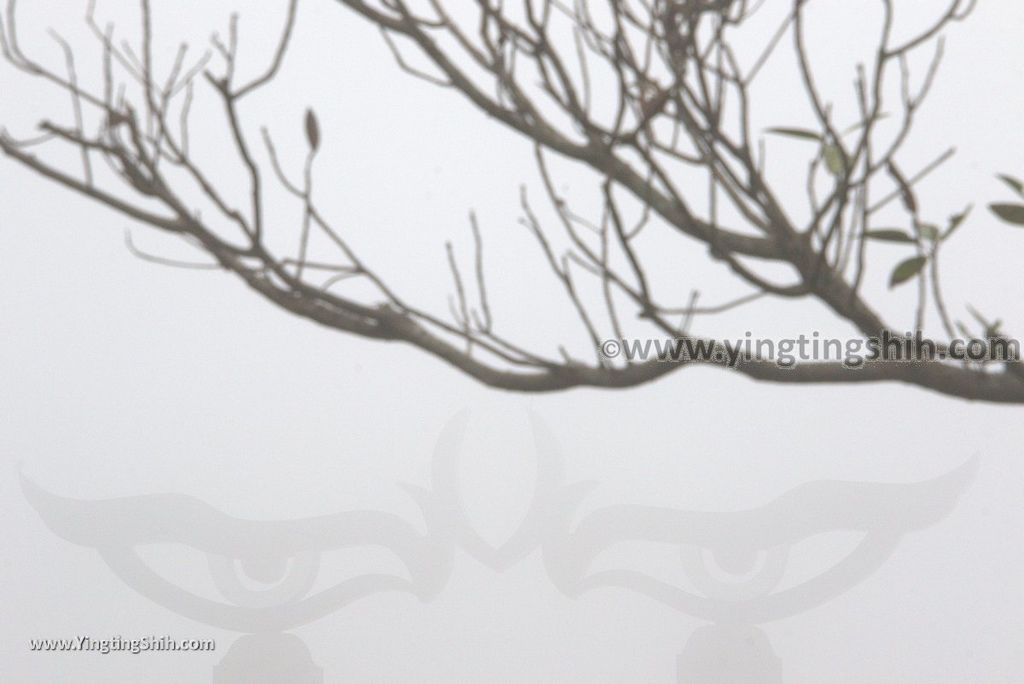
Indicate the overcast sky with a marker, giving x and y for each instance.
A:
(120, 378)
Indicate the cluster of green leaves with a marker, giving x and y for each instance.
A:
(830, 151)
(1011, 213)
(926, 237)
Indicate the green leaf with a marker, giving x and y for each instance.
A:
(1011, 213)
(312, 130)
(906, 270)
(906, 191)
(834, 158)
(929, 231)
(889, 235)
(801, 133)
(1016, 184)
(955, 220)
(862, 124)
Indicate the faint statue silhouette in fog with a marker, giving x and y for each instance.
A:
(282, 556)
(734, 563)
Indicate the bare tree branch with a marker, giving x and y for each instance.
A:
(635, 92)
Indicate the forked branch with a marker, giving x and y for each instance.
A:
(643, 93)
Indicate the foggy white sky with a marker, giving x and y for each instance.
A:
(120, 377)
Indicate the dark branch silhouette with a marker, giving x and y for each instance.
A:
(641, 92)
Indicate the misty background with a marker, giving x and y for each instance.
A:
(123, 378)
